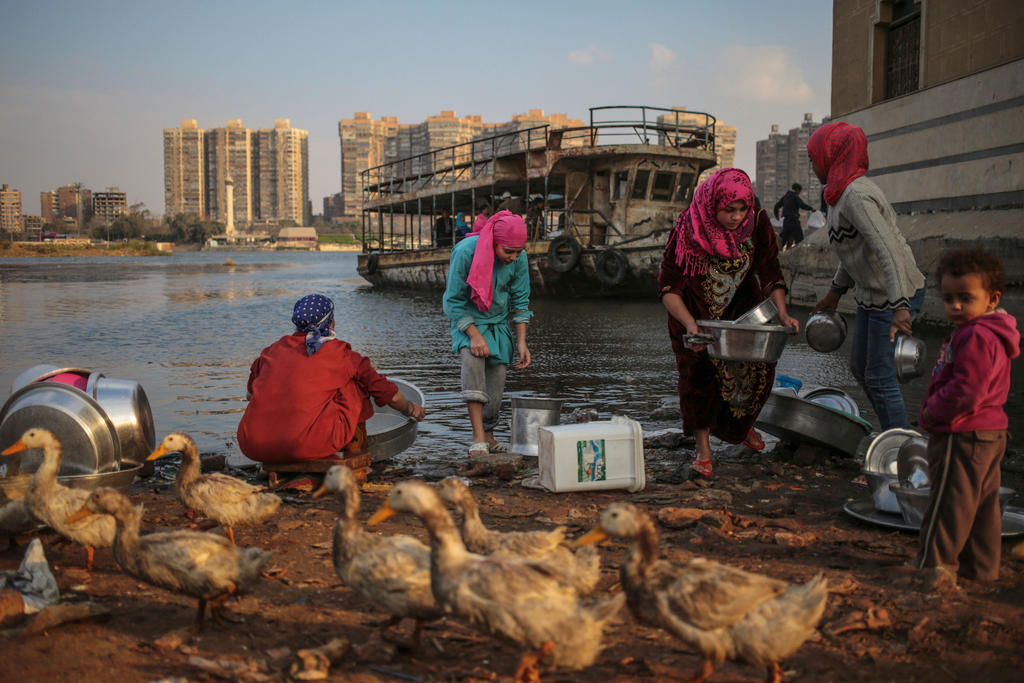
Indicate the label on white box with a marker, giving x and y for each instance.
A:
(592, 465)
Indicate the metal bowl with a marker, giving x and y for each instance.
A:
(914, 502)
(764, 313)
(128, 408)
(909, 357)
(85, 432)
(39, 373)
(882, 496)
(527, 415)
(120, 480)
(834, 398)
(794, 419)
(883, 453)
(912, 463)
(745, 342)
(389, 432)
(825, 331)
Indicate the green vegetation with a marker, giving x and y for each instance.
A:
(188, 228)
(78, 248)
(342, 238)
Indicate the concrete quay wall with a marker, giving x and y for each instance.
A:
(809, 266)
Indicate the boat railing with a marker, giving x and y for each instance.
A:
(476, 159)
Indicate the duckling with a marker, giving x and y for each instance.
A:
(582, 569)
(204, 566)
(721, 611)
(518, 598)
(53, 504)
(393, 572)
(230, 502)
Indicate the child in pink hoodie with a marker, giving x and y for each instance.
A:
(963, 413)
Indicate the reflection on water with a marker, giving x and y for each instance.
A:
(187, 328)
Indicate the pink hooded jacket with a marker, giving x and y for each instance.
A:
(972, 376)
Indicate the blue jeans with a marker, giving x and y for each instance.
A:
(871, 360)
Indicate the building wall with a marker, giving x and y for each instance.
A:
(725, 137)
(231, 154)
(782, 160)
(109, 205)
(10, 209)
(48, 207)
(185, 170)
(283, 172)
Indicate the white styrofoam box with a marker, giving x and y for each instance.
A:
(592, 456)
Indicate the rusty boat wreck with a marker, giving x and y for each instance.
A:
(600, 200)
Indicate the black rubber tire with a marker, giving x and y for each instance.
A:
(563, 253)
(372, 261)
(611, 267)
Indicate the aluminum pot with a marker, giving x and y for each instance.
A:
(909, 357)
(389, 432)
(128, 408)
(825, 331)
(85, 432)
(764, 313)
(882, 496)
(40, 373)
(120, 480)
(833, 398)
(914, 502)
(527, 415)
(796, 420)
(745, 342)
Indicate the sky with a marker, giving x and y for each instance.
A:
(88, 86)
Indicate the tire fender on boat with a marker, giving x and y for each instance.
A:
(371, 264)
(563, 253)
(611, 267)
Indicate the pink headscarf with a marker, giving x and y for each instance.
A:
(841, 150)
(478, 223)
(700, 235)
(504, 228)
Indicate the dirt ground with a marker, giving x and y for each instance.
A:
(767, 513)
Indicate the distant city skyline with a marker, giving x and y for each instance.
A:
(91, 106)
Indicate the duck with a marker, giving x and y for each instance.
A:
(229, 501)
(52, 503)
(721, 611)
(583, 568)
(393, 572)
(15, 519)
(517, 598)
(202, 565)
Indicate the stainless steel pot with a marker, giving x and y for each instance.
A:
(389, 432)
(85, 432)
(909, 357)
(120, 480)
(38, 373)
(914, 502)
(527, 415)
(764, 313)
(794, 419)
(745, 342)
(825, 331)
(128, 408)
(833, 398)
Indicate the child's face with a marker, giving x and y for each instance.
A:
(506, 254)
(965, 298)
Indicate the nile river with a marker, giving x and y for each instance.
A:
(187, 327)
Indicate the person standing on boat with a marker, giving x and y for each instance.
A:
(443, 229)
(487, 299)
(721, 260)
(874, 259)
(790, 203)
(484, 215)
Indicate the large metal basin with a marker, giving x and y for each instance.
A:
(128, 408)
(794, 419)
(40, 373)
(389, 432)
(120, 480)
(86, 434)
(527, 415)
(745, 342)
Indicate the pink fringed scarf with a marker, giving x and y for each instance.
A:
(700, 235)
(841, 151)
(504, 228)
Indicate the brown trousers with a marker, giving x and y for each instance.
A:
(962, 529)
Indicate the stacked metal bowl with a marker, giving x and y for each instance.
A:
(882, 466)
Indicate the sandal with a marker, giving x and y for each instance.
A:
(479, 449)
(754, 441)
(701, 468)
(497, 447)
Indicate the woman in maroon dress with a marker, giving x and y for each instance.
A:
(721, 260)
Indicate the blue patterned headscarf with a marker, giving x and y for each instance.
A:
(313, 314)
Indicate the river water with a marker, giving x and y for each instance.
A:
(186, 327)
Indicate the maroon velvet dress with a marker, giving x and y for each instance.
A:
(723, 396)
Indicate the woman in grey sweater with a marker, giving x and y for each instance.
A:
(874, 259)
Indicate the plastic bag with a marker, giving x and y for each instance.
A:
(816, 220)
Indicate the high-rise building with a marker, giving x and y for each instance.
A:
(268, 168)
(109, 205)
(48, 207)
(366, 143)
(75, 201)
(691, 123)
(10, 209)
(782, 160)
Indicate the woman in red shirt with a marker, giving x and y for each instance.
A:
(309, 392)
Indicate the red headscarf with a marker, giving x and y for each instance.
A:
(504, 228)
(841, 151)
(700, 233)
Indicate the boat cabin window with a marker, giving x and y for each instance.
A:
(640, 184)
(662, 190)
(685, 190)
(619, 185)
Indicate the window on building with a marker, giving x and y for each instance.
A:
(903, 48)
(662, 190)
(640, 184)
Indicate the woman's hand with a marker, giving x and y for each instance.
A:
(524, 356)
(829, 302)
(694, 328)
(415, 411)
(900, 323)
(789, 321)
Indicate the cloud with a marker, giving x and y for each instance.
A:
(588, 55)
(763, 73)
(662, 58)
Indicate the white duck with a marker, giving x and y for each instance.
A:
(230, 502)
(510, 596)
(52, 503)
(393, 572)
(722, 612)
